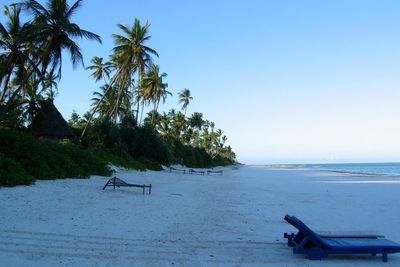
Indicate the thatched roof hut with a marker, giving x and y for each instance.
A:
(49, 124)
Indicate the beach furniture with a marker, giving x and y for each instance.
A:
(220, 172)
(171, 169)
(192, 171)
(317, 247)
(116, 182)
(349, 234)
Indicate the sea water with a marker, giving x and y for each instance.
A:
(392, 168)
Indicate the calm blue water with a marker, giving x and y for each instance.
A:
(365, 168)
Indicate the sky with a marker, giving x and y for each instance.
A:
(288, 81)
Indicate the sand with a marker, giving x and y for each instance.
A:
(191, 220)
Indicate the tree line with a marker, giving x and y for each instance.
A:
(31, 67)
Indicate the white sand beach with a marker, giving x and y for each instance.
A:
(191, 220)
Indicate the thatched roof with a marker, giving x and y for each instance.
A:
(50, 123)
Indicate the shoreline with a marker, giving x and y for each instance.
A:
(340, 172)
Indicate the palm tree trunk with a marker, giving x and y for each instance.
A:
(140, 75)
(141, 113)
(137, 111)
(155, 107)
(5, 86)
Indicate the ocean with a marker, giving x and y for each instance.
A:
(390, 168)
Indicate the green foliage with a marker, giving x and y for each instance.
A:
(125, 162)
(25, 158)
(143, 142)
(127, 142)
(222, 161)
(12, 173)
(150, 165)
(190, 156)
(143, 148)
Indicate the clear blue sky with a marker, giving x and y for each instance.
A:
(287, 81)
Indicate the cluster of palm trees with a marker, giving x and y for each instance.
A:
(194, 130)
(131, 79)
(31, 55)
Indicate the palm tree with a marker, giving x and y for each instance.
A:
(100, 70)
(131, 50)
(31, 97)
(112, 102)
(14, 57)
(104, 100)
(153, 118)
(178, 124)
(196, 120)
(50, 85)
(154, 88)
(130, 55)
(163, 127)
(54, 31)
(184, 97)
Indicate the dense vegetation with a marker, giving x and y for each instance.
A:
(114, 130)
(25, 158)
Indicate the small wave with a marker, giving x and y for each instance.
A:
(358, 173)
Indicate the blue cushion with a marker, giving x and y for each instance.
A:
(360, 244)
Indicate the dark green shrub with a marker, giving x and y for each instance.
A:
(126, 162)
(143, 142)
(12, 173)
(150, 165)
(43, 160)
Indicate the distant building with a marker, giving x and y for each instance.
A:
(49, 124)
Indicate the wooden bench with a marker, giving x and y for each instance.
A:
(191, 171)
(220, 172)
(171, 169)
(116, 182)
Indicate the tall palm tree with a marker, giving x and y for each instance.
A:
(131, 55)
(154, 87)
(14, 55)
(185, 98)
(55, 31)
(131, 49)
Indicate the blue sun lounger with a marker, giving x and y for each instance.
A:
(317, 247)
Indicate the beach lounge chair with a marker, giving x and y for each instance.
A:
(220, 172)
(317, 247)
(297, 238)
(116, 182)
(171, 169)
(192, 171)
